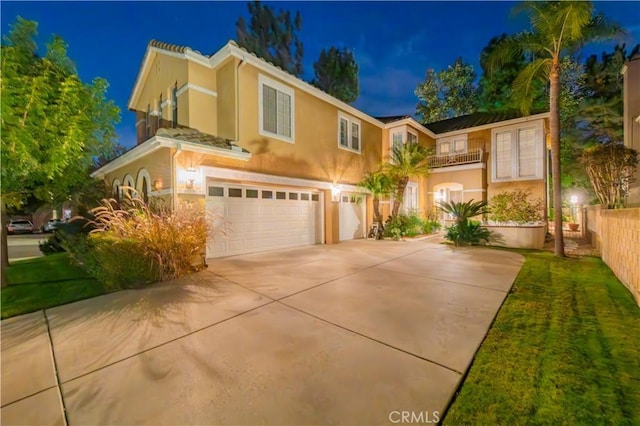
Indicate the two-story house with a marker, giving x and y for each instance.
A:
(280, 160)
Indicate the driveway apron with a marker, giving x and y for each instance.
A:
(361, 332)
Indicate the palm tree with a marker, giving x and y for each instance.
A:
(407, 160)
(558, 29)
(462, 212)
(378, 184)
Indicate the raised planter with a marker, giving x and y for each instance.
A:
(517, 236)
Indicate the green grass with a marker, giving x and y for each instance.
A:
(564, 349)
(45, 282)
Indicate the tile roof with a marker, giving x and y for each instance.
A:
(195, 136)
(472, 120)
(392, 118)
(168, 46)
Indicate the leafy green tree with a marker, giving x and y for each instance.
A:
(336, 72)
(53, 124)
(557, 30)
(378, 184)
(273, 37)
(611, 167)
(407, 160)
(446, 94)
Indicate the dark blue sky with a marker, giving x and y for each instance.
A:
(394, 42)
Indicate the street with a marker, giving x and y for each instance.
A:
(24, 245)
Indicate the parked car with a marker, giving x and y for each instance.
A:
(52, 225)
(20, 227)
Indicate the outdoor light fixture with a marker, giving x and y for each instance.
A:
(157, 185)
(335, 193)
(574, 199)
(191, 177)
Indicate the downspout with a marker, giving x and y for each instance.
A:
(240, 65)
(174, 177)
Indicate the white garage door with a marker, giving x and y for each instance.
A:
(263, 218)
(352, 216)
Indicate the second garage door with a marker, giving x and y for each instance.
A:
(263, 218)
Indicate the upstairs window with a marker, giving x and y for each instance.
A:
(276, 109)
(147, 120)
(517, 153)
(348, 133)
(160, 112)
(401, 136)
(452, 145)
(174, 106)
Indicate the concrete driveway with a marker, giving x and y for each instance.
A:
(363, 332)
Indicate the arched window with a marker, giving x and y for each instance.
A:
(115, 189)
(143, 187)
(129, 186)
(145, 190)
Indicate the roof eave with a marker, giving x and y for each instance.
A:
(494, 124)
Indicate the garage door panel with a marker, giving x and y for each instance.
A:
(279, 218)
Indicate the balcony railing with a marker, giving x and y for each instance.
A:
(470, 156)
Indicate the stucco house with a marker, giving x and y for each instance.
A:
(281, 159)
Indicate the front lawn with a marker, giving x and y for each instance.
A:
(564, 349)
(45, 282)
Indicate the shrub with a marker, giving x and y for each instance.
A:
(515, 206)
(430, 226)
(403, 225)
(471, 233)
(137, 244)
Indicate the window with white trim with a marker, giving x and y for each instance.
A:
(148, 122)
(160, 112)
(348, 133)
(518, 153)
(400, 136)
(174, 106)
(276, 114)
(452, 145)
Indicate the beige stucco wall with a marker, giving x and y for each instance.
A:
(314, 153)
(202, 112)
(227, 87)
(617, 234)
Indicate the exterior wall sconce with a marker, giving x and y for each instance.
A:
(335, 193)
(191, 177)
(157, 185)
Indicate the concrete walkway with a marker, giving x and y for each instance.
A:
(354, 333)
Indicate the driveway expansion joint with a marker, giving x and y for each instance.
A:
(175, 339)
(55, 367)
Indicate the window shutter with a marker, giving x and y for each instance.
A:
(284, 114)
(269, 109)
(503, 155)
(355, 136)
(527, 153)
(344, 132)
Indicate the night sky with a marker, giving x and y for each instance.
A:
(394, 42)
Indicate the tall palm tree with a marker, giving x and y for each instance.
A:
(558, 29)
(407, 160)
(378, 184)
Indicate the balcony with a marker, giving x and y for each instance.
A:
(474, 153)
(470, 156)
